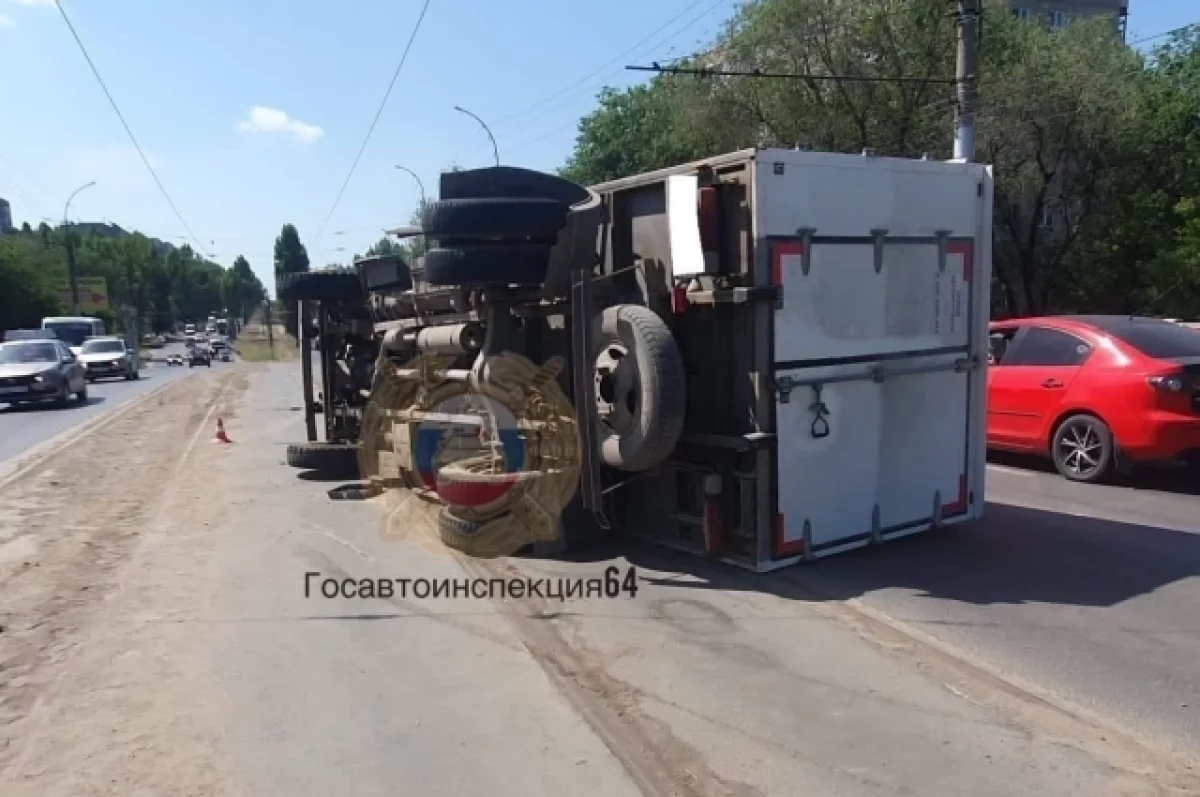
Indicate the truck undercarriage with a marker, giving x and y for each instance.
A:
(565, 360)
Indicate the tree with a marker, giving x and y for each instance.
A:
(290, 257)
(1094, 148)
(243, 292)
(26, 229)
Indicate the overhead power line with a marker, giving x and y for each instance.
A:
(570, 92)
(378, 113)
(1164, 34)
(128, 130)
(673, 70)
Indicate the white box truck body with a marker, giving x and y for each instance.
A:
(835, 333)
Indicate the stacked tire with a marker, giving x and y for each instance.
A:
(491, 241)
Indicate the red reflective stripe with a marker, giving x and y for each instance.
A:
(778, 252)
(959, 505)
(967, 250)
(784, 547)
(714, 531)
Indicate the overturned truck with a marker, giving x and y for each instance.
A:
(767, 356)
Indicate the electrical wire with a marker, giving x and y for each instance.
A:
(378, 113)
(128, 130)
(523, 113)
(1165, 33)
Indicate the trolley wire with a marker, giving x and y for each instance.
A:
(125, 124)
(375, 121)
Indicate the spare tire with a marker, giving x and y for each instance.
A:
(494, 217)
(326, 457)
(641, 392)
(327, 285)
(510, 181)
(488, 264)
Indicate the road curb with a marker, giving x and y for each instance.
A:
(18, 466)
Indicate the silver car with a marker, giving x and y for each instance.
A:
(40, 370)
(107, 357)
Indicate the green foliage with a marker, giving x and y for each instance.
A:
(1081, 130)
(165, 290)
(290, 257)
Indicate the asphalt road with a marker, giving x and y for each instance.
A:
(1091, 593)
(28, 425)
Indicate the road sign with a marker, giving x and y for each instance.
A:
(93, 294)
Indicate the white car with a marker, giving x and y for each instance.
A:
(107, 356)
(174, 359)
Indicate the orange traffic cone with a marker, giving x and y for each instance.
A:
(220, 436)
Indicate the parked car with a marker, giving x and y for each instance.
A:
(107, 356)
(174, 359)
(40, 370)
(225, 355)
(1094, 392)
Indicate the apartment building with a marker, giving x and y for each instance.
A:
(1057, 13)
(6, 224)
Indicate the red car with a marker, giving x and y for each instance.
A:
(1094, 392)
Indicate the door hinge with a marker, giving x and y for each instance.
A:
(783, 388)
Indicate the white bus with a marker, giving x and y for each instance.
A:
(74, 330)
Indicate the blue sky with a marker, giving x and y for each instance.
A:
(188, 77)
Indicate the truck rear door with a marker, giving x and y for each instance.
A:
(879, 384)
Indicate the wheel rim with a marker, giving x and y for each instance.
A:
(1080, 449)
(617, 393)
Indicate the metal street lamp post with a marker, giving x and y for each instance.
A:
(71, 277)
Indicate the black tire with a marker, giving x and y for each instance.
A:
(456, 533)
(494, 217)
(331, 457)
(510, 181)
(1082, 449)
(81, 396)
(647, 420)
(327, 285)
(488, 264)
(64, 397)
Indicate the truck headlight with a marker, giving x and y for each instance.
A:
(37, 380)
(115, 363)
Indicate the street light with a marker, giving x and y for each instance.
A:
(420, 184)
(71, 248)
(486, 129)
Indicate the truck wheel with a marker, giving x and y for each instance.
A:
(332, 457)
(641, 393)
(510, 181)
(457, 533)
(333, 284)
(1082, 449)
(494, 217)
(488, 264)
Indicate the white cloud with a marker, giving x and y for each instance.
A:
(5, 22)
(42, 3)
(261, 119)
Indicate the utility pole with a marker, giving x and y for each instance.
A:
(270, 328)
(966, 75)
(71, 277)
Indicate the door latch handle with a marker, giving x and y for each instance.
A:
(1052, 383)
